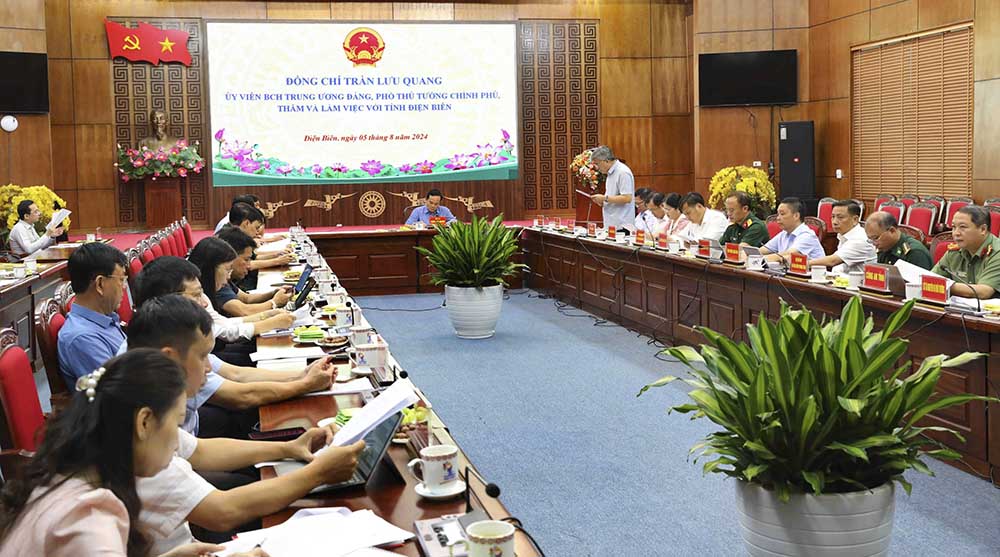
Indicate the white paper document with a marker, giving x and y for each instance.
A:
(392, 400)
(325, 535)
(303, 316)
(285, 352)
(57, 218)
(290, 364)
(911, 273)
(359, 385)
(581, 192)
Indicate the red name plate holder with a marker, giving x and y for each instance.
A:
(704, 248)
(799, 265)
(661, 241)
(875, 278)
(732, 252)
(934, 289)
(611, 233)
(640, 237)
(592, 229)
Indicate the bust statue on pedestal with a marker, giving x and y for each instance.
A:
(158, 123)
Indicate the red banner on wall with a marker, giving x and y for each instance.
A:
(147, 43)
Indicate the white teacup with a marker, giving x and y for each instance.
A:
(325, 289)
(488, 538)
(31, 265)
(20, 272)
(674, 247)
(854, 279)
(913, 290)
(369, 355)
(345, 316)
(360, 334)
(438, 466)
(818, 273)
(755, 262)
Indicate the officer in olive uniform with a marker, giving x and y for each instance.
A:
(746, 228)
(892, 245)
(973, 259)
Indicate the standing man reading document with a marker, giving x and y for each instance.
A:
(617, 202)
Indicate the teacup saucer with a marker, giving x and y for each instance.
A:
(362, 370)
(451, 490)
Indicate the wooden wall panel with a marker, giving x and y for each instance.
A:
(987, 36)
(465, 11)
(94, 77)
(22, 15)
(31, 151)
(95, 208)
(938, 13)
(845, 33)
(298, 10)
(669, 33)
(61, 91)
(57, 34)
(22, 40)
(361, 10)
(672, 145)
(671, 85)
(986, 155)
(632, 140)
(94, 158)
(625, 87)
(819, 62)
(727, 137)
(844, 8)
(624, 29)
(420, 11)
(789, 14)
(558, 9)
(796, 39)
(64, 157)
(723, 15)
(894, 20)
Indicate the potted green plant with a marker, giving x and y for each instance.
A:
(818, 424)
(472, 261)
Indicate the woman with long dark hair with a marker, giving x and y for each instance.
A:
(77, 496)
(214, 258)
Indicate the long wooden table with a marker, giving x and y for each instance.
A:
(18, 300)
(390, 492)
(668, 296)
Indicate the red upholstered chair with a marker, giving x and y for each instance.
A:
(992, 202)
(954, 204)
(188, 234)
(894, 208)
(157, 249)
(882, 198)
(171, 243)
(909, 199)
(64, 297)
(48, 320)
(179, 245)
(923, 216)
(994, 219)
(134, 265)
(817, 225)
(939, 245)
(22, 413)
(125, 307)
(825, 210)
(860, 204)
(145, 253)
(915, 232)
(773, 228)
(938, 202)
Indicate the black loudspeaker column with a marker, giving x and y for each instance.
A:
(797, 163)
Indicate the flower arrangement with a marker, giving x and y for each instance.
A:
(585, 170)
(179, 160)
(753, 181)
(240, 156)
(12, 194)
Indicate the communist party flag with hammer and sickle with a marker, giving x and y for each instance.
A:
(147, 43)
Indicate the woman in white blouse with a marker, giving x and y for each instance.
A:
(673, 223)
(24, 240)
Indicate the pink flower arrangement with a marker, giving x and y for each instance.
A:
(584, 170)
(164, 162)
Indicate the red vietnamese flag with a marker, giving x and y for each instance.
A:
(170, 45)
(130, 44)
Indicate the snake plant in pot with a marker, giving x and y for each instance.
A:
(819, 422)
(472, 261)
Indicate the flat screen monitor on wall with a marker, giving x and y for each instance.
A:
(767, 77)
(24, 83)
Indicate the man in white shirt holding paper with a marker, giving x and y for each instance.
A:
(24, 239)
(617, 200)
(853, 248)
(706, 224)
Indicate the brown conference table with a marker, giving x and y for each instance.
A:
(389, 493)
(669, 296)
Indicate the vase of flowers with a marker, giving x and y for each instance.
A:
(165, 162)
(752, 181)
(585, 170)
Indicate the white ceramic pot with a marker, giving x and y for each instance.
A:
(838, 524)
(474, 311)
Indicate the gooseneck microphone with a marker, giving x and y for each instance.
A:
(975, 293)
(492, 489)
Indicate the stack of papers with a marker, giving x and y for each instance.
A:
(359, 385)
(286, 352)
(58, 218)
(330, 534)
(290, 364)
(398, 396)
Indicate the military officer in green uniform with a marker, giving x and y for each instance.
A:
(746, 228)
(892, 245)
(973, 258)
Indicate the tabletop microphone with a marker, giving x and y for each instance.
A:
(492, 489)
(975, 293)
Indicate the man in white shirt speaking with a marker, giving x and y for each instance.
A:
(853, 248)
(706, 224)
(617, 202)
(24, 239)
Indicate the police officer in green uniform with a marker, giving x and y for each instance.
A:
(892, 245)
(746, 228)
(973, 258)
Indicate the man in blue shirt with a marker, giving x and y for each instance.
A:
(432, 208)
(93, 332)
(795, 235)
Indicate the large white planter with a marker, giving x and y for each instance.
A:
(474, 311)
(838, 524)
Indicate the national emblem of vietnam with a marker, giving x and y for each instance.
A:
(363, 46)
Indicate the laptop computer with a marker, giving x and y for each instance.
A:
(377, 443)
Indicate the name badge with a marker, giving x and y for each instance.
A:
(875, 277)
(934, 289)
(799, 264)
(732, 252)
(705, 248)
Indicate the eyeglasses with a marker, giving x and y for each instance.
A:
(119, 278)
